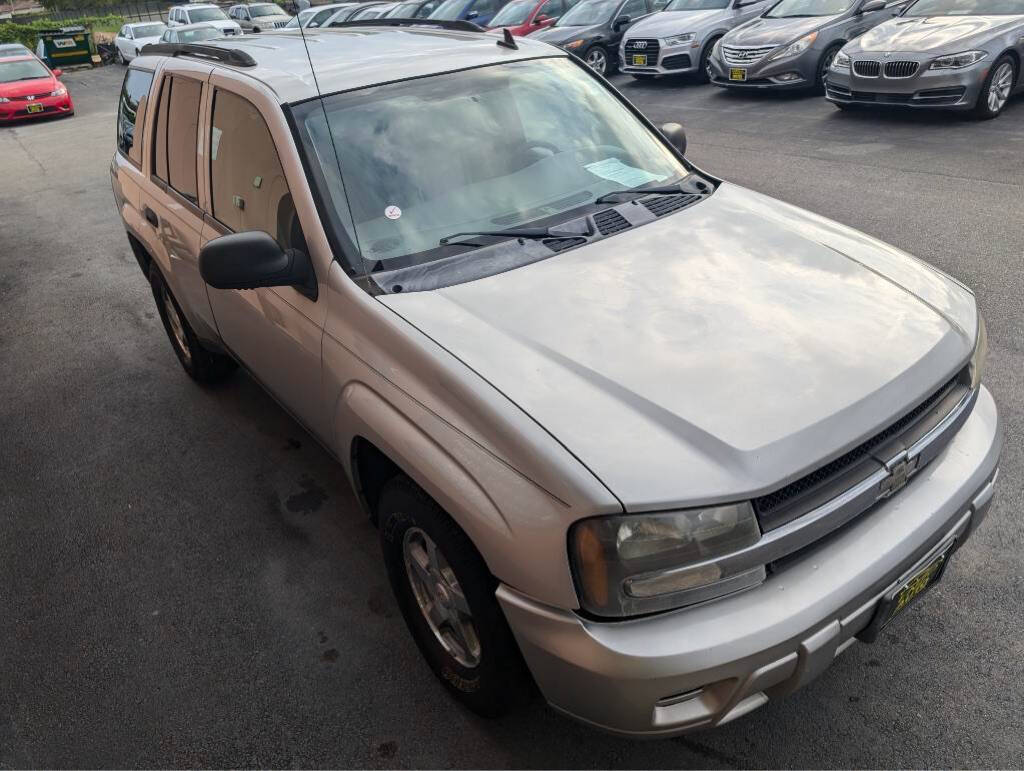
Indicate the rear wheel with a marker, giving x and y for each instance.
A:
(446, 595)
(995, 91)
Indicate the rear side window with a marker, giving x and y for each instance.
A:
(248, 186)
(131, 113)
(177, 129)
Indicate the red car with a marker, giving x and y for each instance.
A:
(29, 89)
(521, 17)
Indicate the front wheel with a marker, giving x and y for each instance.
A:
(119, 57)
(824, 64)
(446, 596)
(597, 59)
(704, 73)
(995, 91)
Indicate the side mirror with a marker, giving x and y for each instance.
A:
(871, 6)
(675, 135)
(541, 18)
(472, 15)
(253, 259)
(57, 73)
(621, 23)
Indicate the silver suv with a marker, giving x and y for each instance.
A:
(659, 444)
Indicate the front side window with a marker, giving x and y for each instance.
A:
(634, 9)
(696, 5)
(509, 145)
(177, 135)
(588, 12)
(131, 113)
(789, 9)
(513, 14)
(966, 8)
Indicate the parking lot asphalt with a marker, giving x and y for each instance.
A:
(186, 581)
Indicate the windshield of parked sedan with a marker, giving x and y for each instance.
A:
(23, 69)
(696, 5)
(149, 30)
(449, 9)
(196, 35)
(206, 14)
(483, 149)
(966, 8)
(789, 9)
(267, 9)
(588, 12)
(513, 14)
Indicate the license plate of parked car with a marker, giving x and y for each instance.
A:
(34, 108)
(737, 73)
(639, 60)
(906, 592)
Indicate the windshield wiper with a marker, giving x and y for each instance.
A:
(531, 233)
(641, 190)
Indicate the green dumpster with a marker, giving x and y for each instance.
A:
(68, 45)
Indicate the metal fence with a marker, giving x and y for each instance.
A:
(131, 11)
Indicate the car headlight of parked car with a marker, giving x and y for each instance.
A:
(677, 39)
(574, 44)
(841, 63)
(977, 364)
(631, 564)
(60, 91)
(796, 48)
(956, 61)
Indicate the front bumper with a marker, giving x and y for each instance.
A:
(682, 59)
(51, 106)
(948, 89)
(791, 73)
(709, 664)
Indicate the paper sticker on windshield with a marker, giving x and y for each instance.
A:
(392, 212)
(616, 171)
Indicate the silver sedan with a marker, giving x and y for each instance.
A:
(954, 54)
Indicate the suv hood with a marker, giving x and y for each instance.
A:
(910, 34)
(768, 32)
(715, 354)
(668, 23)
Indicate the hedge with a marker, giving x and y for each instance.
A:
(28, 33)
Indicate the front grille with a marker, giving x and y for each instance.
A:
(739, 56)
(867, 69)
(660, 205)
(609, 222)
(29, 97)
(561, 244)
(677, 62)
(279, 24)
(900, 69)
(648, 47)
(784, 505)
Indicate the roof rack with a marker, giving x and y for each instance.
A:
(459, 25)
(210, 53)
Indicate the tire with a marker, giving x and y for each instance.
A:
(995, 91)
(598, 60)
(119, 57)
(201, 364)
(823, 64)
(704, 71)
(481, 664)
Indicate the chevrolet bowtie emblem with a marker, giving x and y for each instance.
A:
(900, 468)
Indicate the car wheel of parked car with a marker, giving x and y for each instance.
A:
(446, 595)
(119, 57)
(597, 58)
(704, 72)
(823, 65)
(995, 91)
(202, 364)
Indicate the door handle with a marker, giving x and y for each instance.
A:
(150, 216)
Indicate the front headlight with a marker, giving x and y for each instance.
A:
(976, 368)
(59, 92)
(956, 61)
(841, 63)
(798, 47)
(573, 44)
(627, 565)
(677, 39)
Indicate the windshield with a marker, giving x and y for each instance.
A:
(403, 11)
(509, 145)
(371, 13)
(22, 69)
(513, 14)
(449, 9)
(588, 12)
(966, 8)
(267, 9)
(206, 14)
(195, 35)
(149, 30)
(696, 5)
(789, 9)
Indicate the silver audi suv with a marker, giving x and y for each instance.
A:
(659, 444)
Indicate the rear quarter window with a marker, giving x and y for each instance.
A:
(131, 113)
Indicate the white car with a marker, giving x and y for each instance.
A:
(207, 13)
(132, 38)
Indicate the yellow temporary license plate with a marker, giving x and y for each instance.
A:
(639, 60)
(737, 73)
(906, 591)
(34, 108)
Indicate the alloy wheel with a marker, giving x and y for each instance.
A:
(440, 598)
(598, 60)
(1000, 86)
